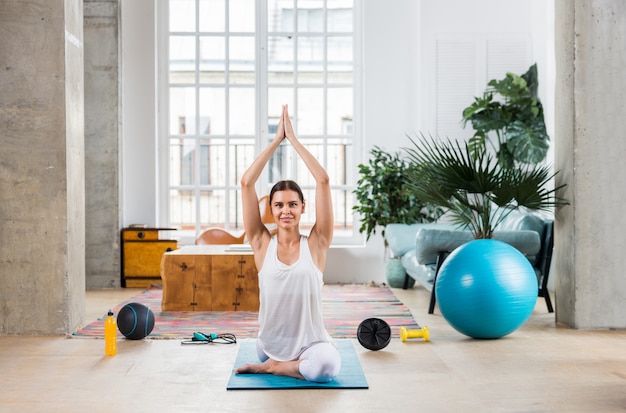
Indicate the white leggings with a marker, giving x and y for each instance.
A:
(320, 362)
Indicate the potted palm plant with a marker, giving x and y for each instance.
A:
(474, 188)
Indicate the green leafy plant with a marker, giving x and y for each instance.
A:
(511, 109)
(476, 190)
(383, 196)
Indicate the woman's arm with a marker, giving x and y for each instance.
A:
(322, 232)
(256, 232)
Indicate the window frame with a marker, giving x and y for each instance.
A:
(261, 133)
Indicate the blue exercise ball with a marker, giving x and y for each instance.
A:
(486, 289)
(135, 321)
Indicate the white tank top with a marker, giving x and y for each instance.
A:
(290, 312)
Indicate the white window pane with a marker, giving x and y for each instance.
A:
(242, 108)
(241, 156)
(278, 165)
(311, 18)
(182, 61)
(276, 98)
(212, 59)
(212, 111)
(242, 58)
(280, 15)
(303, 176)
(212, 208)
(280, 62)
(181, 161)
(339, 15)
(235, 212)
(342, 208)
(311, 59)
(339, 161)
(310, 111)
(340, 111)
(241, 15)
(182, 110)
(340, 73)
(212, 15)
(182, 208)
(212, 162)
(181, 157)
(340, 49)
(340, 60)
(182, 15)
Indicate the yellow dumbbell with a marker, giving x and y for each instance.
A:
(422, 332)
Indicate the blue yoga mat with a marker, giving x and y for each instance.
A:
(350, 377)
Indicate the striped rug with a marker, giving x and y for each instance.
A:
(345, 307)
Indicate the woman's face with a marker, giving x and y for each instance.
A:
(287, 208)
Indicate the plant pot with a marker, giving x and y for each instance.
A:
(394, 270)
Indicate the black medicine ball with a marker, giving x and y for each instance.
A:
(135, 321)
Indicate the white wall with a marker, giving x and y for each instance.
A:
(389, 106)
(138, 112)
(390, 99)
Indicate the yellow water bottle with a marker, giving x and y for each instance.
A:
(110, 335)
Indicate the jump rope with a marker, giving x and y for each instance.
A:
(203, 338)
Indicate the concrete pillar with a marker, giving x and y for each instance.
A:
(590, 238)
(102, 155)
(42, 205)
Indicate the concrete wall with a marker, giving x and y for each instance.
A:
(42, 247)
(102, 142)
(590, 152)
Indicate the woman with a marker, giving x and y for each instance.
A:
(292, 338)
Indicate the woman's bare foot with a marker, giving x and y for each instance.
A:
(261, 368)
(279, 368)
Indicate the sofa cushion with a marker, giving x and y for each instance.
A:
(401, 237)
(518, 220)
(528, 242)
(430, 241)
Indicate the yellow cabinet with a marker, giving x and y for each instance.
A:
(141, 255)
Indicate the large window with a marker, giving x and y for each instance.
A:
(230, 66)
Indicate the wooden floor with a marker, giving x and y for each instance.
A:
(539, 368)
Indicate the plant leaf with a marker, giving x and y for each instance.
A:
(477, 192)
(528, 142)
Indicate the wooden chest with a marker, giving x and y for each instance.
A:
(141, 255)
(209, 278)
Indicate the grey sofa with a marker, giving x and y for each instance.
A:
(422, 248)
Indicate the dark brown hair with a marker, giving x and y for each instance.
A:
(286, 185)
